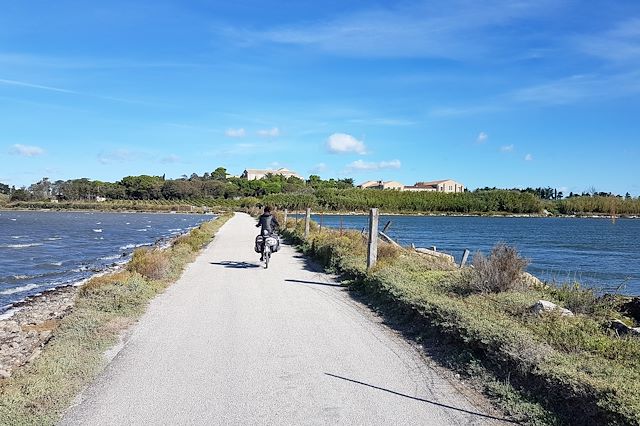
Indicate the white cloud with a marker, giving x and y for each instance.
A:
(269, 132)
(342, 143)
(360, 165)
(528, 157)
(620, 44)
(482, 137)
(236, 133)
(507, 148)
(26, 150)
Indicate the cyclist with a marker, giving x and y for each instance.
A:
(268, 223)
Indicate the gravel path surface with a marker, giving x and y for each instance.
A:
(232, 343)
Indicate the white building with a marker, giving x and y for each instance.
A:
(378, 184)
(255, 174)
(446, 185)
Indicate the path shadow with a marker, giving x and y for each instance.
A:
(235, 265)
(449, 407)
(315, 283)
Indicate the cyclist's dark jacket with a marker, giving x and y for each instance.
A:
(268, 222)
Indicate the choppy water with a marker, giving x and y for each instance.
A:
(595, 252)
(42, 250)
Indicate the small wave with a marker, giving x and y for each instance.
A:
(22, 277)
(20, 245)
(98, 223)
(130, 246)
(128, 223)
(97, 230)
(174, 229)
(14, 219)
(148, 226)
(142, 230)
(54, 238)
(19, 289)
(16, 237)
(55, 263)
(114, 257)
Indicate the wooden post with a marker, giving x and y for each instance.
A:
(465, 256)
(372, 252)
(341, 225)
(321, 219)
(286, 214)
(307, 221)
(386, 226)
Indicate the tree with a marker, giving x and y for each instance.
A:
(4, 189)
(219, 174)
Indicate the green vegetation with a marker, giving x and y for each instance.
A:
(575, 367)
(39, 392)
(218, 190)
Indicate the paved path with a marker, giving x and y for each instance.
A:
(232, 343)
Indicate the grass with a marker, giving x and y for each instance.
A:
(106, 305)
(574, 370)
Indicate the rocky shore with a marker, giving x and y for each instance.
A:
(30, 325)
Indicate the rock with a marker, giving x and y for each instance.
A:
(542, 306)
(531, 281)
(632, 308)
(4, 374)
(623, 329)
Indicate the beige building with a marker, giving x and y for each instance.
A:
(447, 185)
(255, 174)
(378, 184)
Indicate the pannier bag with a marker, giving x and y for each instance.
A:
(259, 241)
(274, 243)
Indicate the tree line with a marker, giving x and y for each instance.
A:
(217, 187)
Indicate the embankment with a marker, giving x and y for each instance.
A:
(576, 367)
(77, 336)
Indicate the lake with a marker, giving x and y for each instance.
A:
(42, 250)
(599, 253)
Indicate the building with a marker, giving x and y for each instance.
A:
(255, 174)
(447, 185)
(378, 184)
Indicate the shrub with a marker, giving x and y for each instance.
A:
(501, 271)
(100, 281)
(149, 263)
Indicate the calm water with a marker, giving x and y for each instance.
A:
(41, 250)
(595, 252)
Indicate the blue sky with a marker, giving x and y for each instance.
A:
(494, 93)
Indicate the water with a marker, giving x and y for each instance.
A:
(42, 250)
(598, 253)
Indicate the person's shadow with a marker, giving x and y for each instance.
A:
(235, 265)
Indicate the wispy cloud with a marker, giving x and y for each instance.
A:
(528, 157)
(119, 155)
(37, 86)
(619, 44)
(235, 133)
(507, 148)
(171, 159)
(360, 165)
(319, 168)
(382, 121)
(482, 138)
(343, 143)
(445, 29)
(273, 132)
(70, 92)
(26, 150)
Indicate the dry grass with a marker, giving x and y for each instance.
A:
(150, 263)
(501, 271)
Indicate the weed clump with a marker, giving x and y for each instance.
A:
(501, 271)
(152, 264)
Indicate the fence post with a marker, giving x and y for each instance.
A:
(307, 221)
(465, 255)
(286, 214)
(372, 249)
